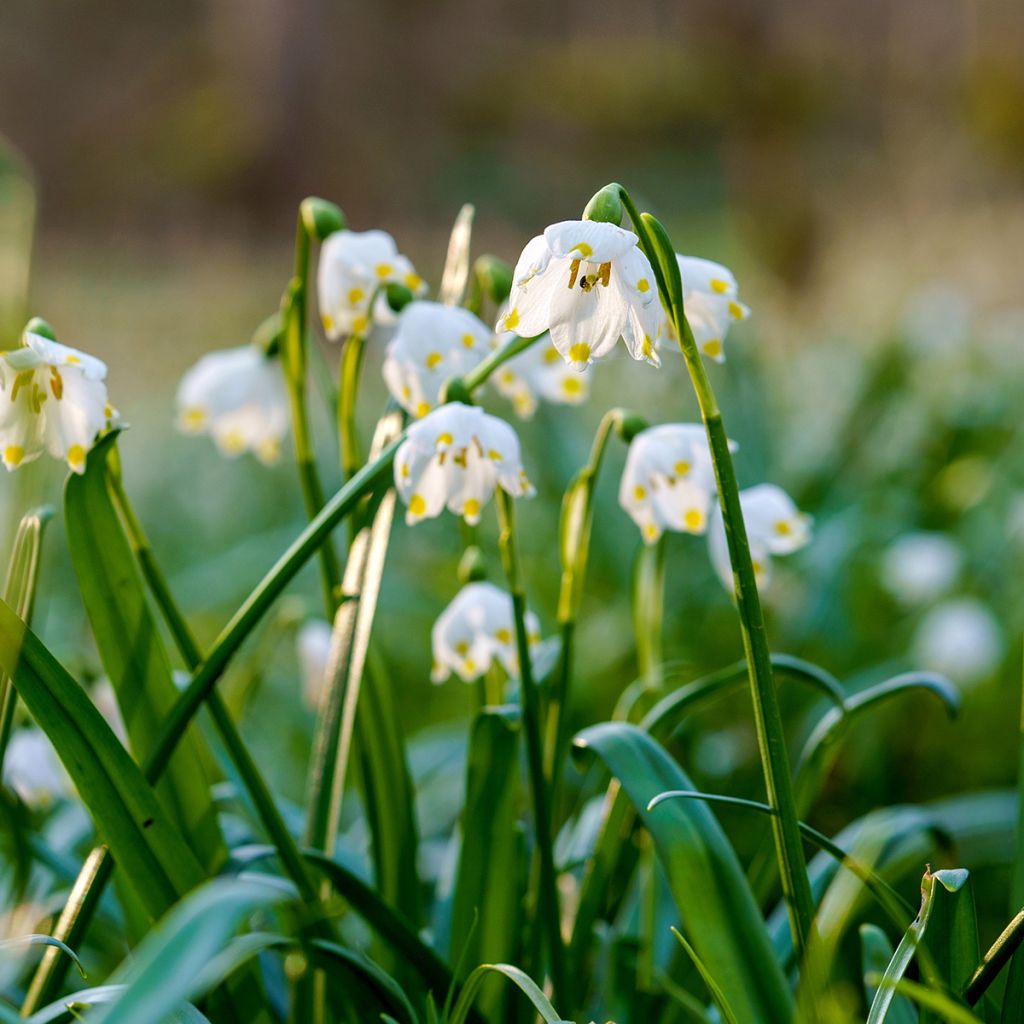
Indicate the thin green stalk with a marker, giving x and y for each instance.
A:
(348, 390)
(768, 719)
(294, 361)
(1017, 886)
(995, 960)
(546, 903)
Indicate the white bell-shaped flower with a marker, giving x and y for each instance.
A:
(433, 343)
(920, 567)
(454, 457)
(775, 526)
(238, 396)
(711, 301)
(537, 374)
(669, 481)
(589, 284)
(52, 398)
(960, 638)
(353, 266)
(476, 630)
(33, 770)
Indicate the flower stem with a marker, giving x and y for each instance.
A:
(546, 903)
(294, 361)
(768, 719)
(348, 391)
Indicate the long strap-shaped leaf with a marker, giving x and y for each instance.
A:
(524, 982)
(718, 912)
(142, 837)
(132, 650)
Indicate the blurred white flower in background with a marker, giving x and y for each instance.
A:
(105, 699)
(719, 752)
(433, 343)
(937, 319)
(455, 456)
(313, 644)
(238, 397)
(711, 301)
(353, 266)
(961, 639)
(476, 630)
(775, 526)
(589, 284)
(52, 398)
(32, 768)
(537, 374)
(668, 482)
(921, 567)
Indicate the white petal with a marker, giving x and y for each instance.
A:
(592, 240)
(586, 325)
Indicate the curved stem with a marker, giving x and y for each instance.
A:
(768, 719)
(546, 903)
(348, 391)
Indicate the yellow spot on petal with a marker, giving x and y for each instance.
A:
(735, 311)
(783, 528)
(360, 324)
(648, 346)
(462, 648)
(269, 450)
(417, 505)
(73, 360)
(718, 285)
(471, 508)
(193, 418)
(422, 409)
(682, 468)
(356, 295)
(412, 281)
(584, 250)
(328, 321)
(572, 386)
(639, 492)
(511, 321)
(495, 455)
(651, 531)
(758, 569)
(234, 442)
(468, 341)
(508, 377)
(580, 352)
(433, 359)
(384, 269)
(643, 285)
(552, 355)
(693, 519)
(76, 456)
(404, 471)
(503, 636)
(469, 665)
(444, 439)
(406, 392)
(13, 454)
(713, 348)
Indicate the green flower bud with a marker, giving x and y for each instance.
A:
(629, 425)
(494, 277)
(472, 566)
(398, 296)
(606, 205)
(37, 325)
(269, 334)
(455, 390)
(321, 218)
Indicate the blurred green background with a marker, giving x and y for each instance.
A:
(858, 163)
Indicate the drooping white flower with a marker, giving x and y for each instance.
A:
(476, 630)
(353, 265)
(711, 302)
(238, 396)
(32, 768)
(454, 457)
(52, 398)
(920, 567)
(589, 284)
(775, 526)
(540, 373)
(313, 643)
(669, 481)
(960, 638)
(432, 344)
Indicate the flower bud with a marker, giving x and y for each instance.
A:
(267, 337)
(472, 566)
(398, 296)
(629, 425)
(321, 218)
(37, 325)
(494, 276)
(606, 205)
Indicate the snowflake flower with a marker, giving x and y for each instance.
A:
(710, 298)
(540, 373)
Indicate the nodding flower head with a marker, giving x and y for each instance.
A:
(354, 265)
(710, 297)
(238, 396)
(454, 457)
(589, 284)
(432, 343)
(52, 398)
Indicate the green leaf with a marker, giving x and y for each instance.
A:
(488, 889)
(132, 651)
(937, 1003)
(718, 912)
(876, 952)
(933, 884)
(144, 841)
(169, 965)
(68, 1009)
(43, 940)
(717, 995)
(952, 941)
(1013, 995)
(525, 984)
